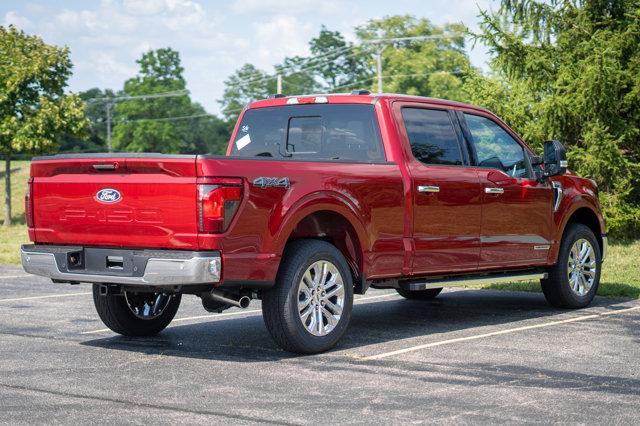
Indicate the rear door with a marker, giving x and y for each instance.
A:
(516, 208)
(134, 201)
(446, 192)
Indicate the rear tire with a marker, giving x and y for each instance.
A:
(573, 281)
(309, 308)
(427, 294)
(118, 312)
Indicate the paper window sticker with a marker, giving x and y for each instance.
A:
(243, 141)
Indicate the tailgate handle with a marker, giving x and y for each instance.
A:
(100, 167)
(115, 262)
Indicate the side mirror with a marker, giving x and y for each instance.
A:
(555, 159)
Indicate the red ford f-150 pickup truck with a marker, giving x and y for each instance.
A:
(319, 197)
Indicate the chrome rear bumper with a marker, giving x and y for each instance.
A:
(143, 268)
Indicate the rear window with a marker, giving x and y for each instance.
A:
(310, 132)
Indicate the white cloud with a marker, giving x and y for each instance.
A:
(282, 35)
(143, 7)
(21, 22)
(214, 37)
(286, 6)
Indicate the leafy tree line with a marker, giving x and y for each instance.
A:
(34, 109)
(433, 67)
(153, 113)
(570, 70)
(563, 69)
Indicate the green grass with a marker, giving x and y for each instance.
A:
(620, 272)
(13, 236)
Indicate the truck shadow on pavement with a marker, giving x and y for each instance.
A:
(385, 321)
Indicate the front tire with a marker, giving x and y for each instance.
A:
(573, 281)
(136, 314)
(309, 308)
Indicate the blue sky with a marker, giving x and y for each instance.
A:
(213, 37)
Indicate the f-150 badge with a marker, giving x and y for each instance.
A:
(265, 182)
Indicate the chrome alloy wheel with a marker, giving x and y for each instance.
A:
(147, 305)
(321, 298)
(582, 267)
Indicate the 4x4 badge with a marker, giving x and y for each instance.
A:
(265, 182)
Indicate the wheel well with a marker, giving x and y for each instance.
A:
(333, 228)
(588, 218)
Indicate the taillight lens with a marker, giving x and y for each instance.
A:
(28, 206)
(216, 207)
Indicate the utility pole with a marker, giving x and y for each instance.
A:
(279, 84)
(380, 42)
(111, 101)
(108, 107)
(379, 67)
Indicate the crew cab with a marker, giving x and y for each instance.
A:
(318, 198)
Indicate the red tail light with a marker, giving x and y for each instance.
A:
(217, 205)
(28, 207)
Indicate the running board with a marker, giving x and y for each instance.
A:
(470, 280)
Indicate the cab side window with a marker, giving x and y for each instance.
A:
(495, 148)
(432, 137)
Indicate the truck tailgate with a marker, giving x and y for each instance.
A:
(128, 201)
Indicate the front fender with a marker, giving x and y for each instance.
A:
(578, 193)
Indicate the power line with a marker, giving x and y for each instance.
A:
(112, 99)
(378, 41)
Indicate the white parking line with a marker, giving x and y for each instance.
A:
(236, 313)
(495, 333)
(50, 296)
(6, 277)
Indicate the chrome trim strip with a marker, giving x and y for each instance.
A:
(542, 247)
(197, 270)
(482, 280)
(605, 247)
(494, 190)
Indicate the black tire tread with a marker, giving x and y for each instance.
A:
(281, 322)
(555, 287)
(115, 314)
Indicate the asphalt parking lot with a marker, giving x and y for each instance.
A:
(469, 356)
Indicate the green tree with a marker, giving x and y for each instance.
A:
(433, 67)
(95, 111)
(340, 63)
(249, 83)
(159, 115)
(34, 109)
(245, 85)
(568, 69)
(334, 63)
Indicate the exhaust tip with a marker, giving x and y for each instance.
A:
(244, 302)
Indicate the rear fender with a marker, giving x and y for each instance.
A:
(312, 203)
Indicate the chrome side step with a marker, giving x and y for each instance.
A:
(471, 280)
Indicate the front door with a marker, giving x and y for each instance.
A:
(445, 190)
(516, 208)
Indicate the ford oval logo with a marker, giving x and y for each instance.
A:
(108, 195)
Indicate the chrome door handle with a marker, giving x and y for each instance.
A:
(428, 188)
(493, 190)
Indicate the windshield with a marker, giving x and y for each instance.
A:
(310, 132)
